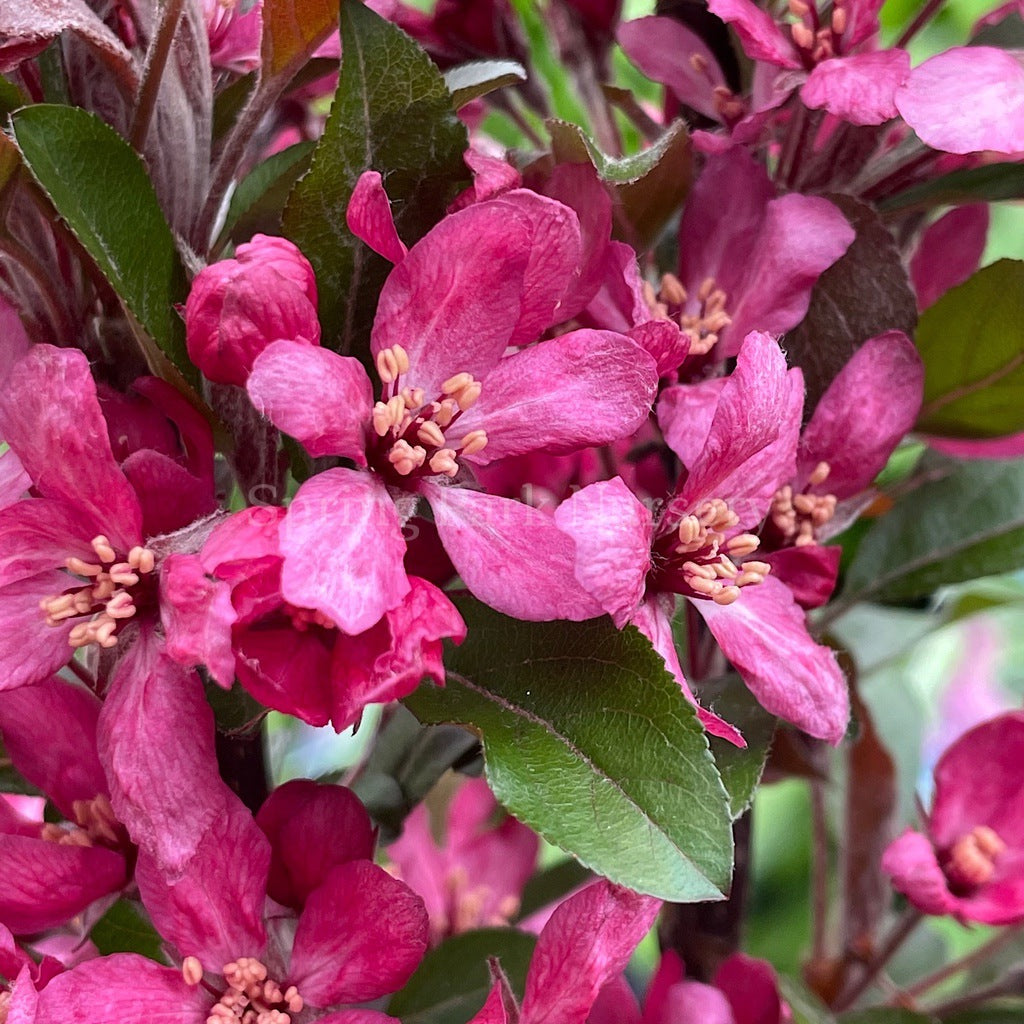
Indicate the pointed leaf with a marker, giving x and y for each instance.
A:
(478, 78)
(292, 30)
(990, 183)
(125, 929)
(590, 742)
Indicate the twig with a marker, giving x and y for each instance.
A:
(901, 930)
(153, 73)
(819, 869)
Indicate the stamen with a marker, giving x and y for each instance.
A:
(798, 8)
(413, 397)
(381, 419)
(430, 433)
(475, 441)
(80, 568)
(820, 474)
(802, 36)
(406, 458)
(387, 366)
(455, 384)
(840, 19)
(672, 290)
(971, 861)
(699, 63)
(192, 970)
(443, 462)
(103, 550)
(742, 544)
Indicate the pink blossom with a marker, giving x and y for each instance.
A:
(234, 37)
(968, 861)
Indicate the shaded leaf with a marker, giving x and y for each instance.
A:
(453, 981)
(590, 742)
(865, 293)
(551, 885)
(478, 78)
(972, 344)
(990, 183)
(125, 929)
(392, 113)
(292, 30)
(886, 1015)
(98, 184)
(806, 1007)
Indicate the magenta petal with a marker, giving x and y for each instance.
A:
(323, 400)
(612, 531)
(911, 864)
(369, 218)
(669, 973)
(169, 496)
(50, 416)
(809, 571)
(14, 481)
(949, 252)
(49, 733)
(579, 390)
(156, 744)
(966, 100)
(511, 556)
(197, 617)
(30, 650)
(38, 534)
(761, 37)
(1009, 447)
(241, 538)
(864, 414)
(357, 1017)
(45, 884)
(587, 941)
(685, 413)
(343, 548)
(361, 935)
(496, 1009)
(860, 89)
(615, 1004)
(691, 1002)
(312, 828)
(214, 909)
(752, 989)
(764, 634)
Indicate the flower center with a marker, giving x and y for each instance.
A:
(467, 906)
(412, 430)
(111, 593)
(796, 518)
(701, 317)
(971, 859)
(251, 996)
(95, 825)
(816, 41)
(698, 561)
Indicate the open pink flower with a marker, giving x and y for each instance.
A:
(970, 862)
(234, 36)
(487, 277)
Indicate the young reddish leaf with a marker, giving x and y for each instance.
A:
(292, 30)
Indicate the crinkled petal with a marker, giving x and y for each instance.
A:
(369, 218)
(911, 864)
(861, 88)
(343, 548)
(361, 935)
(588, 940)
(30, 650)
(38, 535)
(511, 556)
(809, 571)
(169, 496)
(578, 390)
(761, 37)
(323, 400)
(764, 634)
(14, 481)
(612, 531)
(966, 100)
(949, 252)
(51, 417)
(868, 408)
(685, 413)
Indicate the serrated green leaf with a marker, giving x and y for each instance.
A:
(967, 523)
(124, 929)
(479, 77)
(589, 741)
(392, 113)
(100, 187)
(972, 344)
(452, 983)
(991, 183)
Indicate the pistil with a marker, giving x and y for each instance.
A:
(701, 317)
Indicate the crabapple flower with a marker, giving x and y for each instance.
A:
(969, 861)
(487, 277)
(234, 36)
(699, 548)
(237, 307)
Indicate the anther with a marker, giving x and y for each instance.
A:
(707, 286)
(820, 474)
(413, 397)
(468, 395)
(387, 366)
(475, 441)
(726, 595)
(802, 36)
(699, 63)
(455, 384)
(192, 970)
(80, 568)
(406, 458)
(443, 462)
(840, 19)
(672, 289)
(381, 419)
(103, 550)
(430, 433)
(798, 8)
(742, 544)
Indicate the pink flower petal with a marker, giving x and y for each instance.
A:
(752, 989)
(864, 414)
(761, 37)
(765, 636)
(30, 650)
(499, 1007)
(37, 535)
(14, 481)
(1009, 447)
(51, 418)
(949, 252)
(361, 935)
(911, 864)
(169, 496)
(966, 100)
(669, 973)
(861, 88)
(690, 1002)
(612, 531)
(810, 571)
(615, 1004)
(511, 556)
(246, 536)
(588, 940)
(685, 414)
(321, 399)
(343, 548)
(369, 218)
(578, 390)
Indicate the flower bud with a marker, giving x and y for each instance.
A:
(237, 307)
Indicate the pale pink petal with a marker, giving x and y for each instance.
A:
(578, 390)
(685, 414)
(214, 909)
(612, 531)
(369, 218)
(966, 100)
(30, 650)
(51, 418)
(669, 973)
(615, 1004)
(949, 252)
(361, 935)
(911, 864)
(321, 399)
(761, 37)
(1009, 447)
(343, 547)
(511, 556)
(197, 617)
(24, 1005)
(868, 408)
(690, 1002)
(588, 940)
(14, 481)
(861, 88)
(764, 634)
(245, 536)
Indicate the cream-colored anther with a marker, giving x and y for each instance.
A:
(819, 474)
(104, 552)
(443, 462)
(413, 397)
(475, 441)
(689, 529)
(192, 970)
(707, 286)
(798, 8)
(121, 606)
(80, 568)
(672, 290)
(727, 595)
(430, 434)
(381, 419)
(741, 545)
(387, 366)
(468, 396)
(840, 19)
(453, 385)
(802, 36)
(446, 412)
(405, 457)
(699, 63)
(695, 570)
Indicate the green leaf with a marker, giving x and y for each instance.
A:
(452, 982)
(11, 97)
(550, 885)
(479, 77)
(124, 929)
(972, 344)
(589, 741)
(806, 1006)
(991, 183)
(100, 187)
(392, 113)
(966, 522)
(885, 1015)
